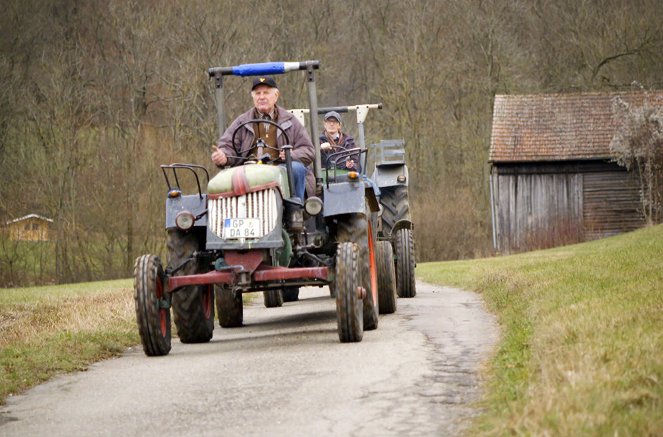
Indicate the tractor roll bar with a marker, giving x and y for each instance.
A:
(362, 112)
(263, 68)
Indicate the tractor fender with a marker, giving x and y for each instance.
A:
(389, 175)
(194, 203)
(349, 198)
(402, 224)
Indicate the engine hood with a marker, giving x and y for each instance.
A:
(248, 178)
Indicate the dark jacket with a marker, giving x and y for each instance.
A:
(302, 147)
(345, 142)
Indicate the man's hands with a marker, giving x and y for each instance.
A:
(325, 146)
(218, 157)
(350, 164)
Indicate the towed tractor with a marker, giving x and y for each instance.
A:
(395, 223)
(391, 178)
(244, 230)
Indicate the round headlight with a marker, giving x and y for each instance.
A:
(184, 220)
(313, 205)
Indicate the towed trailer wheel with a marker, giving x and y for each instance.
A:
(152, 306)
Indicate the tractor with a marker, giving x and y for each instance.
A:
(395, 224)
(244, 231)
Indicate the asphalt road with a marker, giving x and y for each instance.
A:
(283, 374)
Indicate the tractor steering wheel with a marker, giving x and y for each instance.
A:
(257, 121)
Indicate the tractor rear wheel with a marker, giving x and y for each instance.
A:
(193, 306)
(290, 294)
(405, 263)
(272, 298)
(359, 230)
(152, 312)
(229, 307)
(386, 277)
(395, 207)
(349, 306)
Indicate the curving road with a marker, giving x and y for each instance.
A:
(283, 374)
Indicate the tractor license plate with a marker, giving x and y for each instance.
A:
(241, 228)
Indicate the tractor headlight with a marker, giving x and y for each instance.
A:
(313, 206)
(184, 220)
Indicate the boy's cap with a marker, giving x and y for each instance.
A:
(333, 114)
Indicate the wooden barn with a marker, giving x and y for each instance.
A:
(552, 180)
(31, 227)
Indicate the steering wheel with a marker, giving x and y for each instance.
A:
(257, 121)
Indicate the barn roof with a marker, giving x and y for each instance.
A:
(557, 127)
(29, 216)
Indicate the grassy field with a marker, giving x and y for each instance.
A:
(49, 330)
(582, 337)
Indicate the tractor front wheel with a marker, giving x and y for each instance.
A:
(386, 277)
(229, 307)
(290, 294)
(152, 312)
(349, 306)
(193, 306)
(272, 298)
(405, 263)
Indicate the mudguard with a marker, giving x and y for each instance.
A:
(390, 167)
(348, 198)
(194, 203)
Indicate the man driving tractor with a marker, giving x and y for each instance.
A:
(251, 136)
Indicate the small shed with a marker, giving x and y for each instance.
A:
(31, 227)
(552, 178)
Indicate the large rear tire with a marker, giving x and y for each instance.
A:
(357, 229)
(386, 277)
(395, 207)
(405, 263)
(193, 306)
(272, 298)
(152, 314)
(229, 307)
(349, 307)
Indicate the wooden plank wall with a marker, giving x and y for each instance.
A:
(534, 210)
(612, 204)
(537, 210)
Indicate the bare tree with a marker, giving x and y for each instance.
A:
(638, 146)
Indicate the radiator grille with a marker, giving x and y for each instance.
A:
(259, 205)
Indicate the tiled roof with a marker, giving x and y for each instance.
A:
(557, 127)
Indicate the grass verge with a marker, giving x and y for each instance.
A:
(49, 330)
(45, 331)
(582, 345)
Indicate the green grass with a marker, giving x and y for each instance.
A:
(45, 331)
(581, 351)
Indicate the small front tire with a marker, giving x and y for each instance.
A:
(152, 312)
(386, 277)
